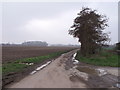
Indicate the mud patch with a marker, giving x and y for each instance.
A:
(77, 79)
(98, 78)
(98, 82)
(74, 78)
(68, 65)
(117, 85)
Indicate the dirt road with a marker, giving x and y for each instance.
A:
(53, 76)
(63, 72)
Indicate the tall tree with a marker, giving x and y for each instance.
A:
(88, 28)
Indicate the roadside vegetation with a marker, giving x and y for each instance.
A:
(21, 64)
(106, 57)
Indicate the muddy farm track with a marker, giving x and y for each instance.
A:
(11, 54)
(64, 73)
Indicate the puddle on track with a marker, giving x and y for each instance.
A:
(87, 70)
(97, 78)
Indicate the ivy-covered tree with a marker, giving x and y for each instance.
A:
(88, 28)
(118, 46)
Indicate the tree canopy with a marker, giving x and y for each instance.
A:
(88, 27)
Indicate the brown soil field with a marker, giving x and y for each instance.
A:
(11, 53)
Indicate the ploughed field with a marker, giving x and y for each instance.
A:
(16, 60)
(12, 53)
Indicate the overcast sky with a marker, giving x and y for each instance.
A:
(50, 21)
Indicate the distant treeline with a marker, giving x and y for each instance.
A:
(38, 43)
(28, 43)
(35, 43)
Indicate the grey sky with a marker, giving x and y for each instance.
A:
(119, 22)
(50, 21)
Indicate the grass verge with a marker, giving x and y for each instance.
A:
(104, 58)
(19, 65)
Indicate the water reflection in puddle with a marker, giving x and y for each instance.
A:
(92, 71)
(87, 70)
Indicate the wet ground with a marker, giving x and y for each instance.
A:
(52, 76)
(95, 76)
(64, 72)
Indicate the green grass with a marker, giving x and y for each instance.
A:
(12, 67)
(17, 65)
(37, 59)
(104, 58)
